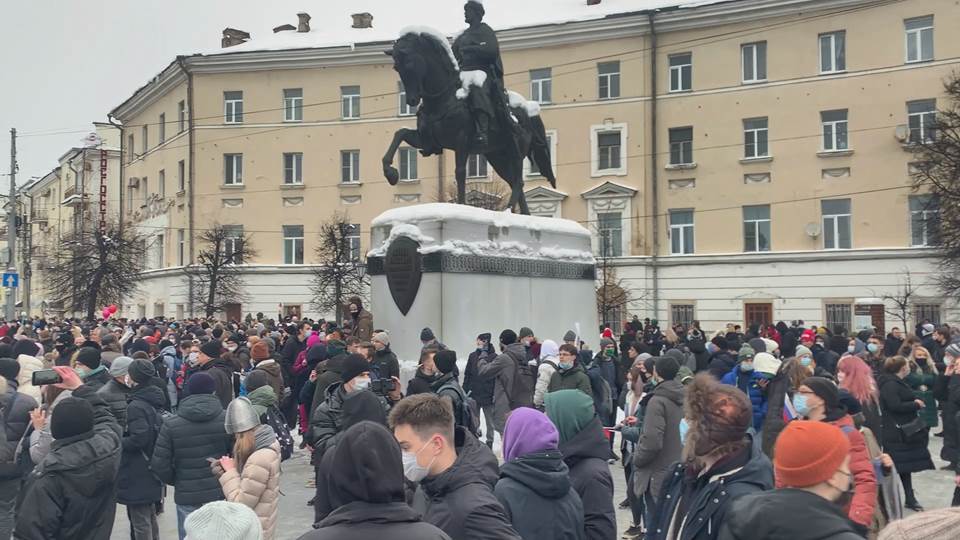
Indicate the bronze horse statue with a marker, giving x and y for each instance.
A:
(432, 80)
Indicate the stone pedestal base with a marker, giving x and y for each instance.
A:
(463, 271)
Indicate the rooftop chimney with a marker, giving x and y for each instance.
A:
(304, 24)
(232, 36)
(283, 28)
(362, 20)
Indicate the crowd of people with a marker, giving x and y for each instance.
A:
(767, 432)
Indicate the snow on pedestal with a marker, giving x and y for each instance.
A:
(483, 271)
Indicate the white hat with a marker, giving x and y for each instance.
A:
(770, 345)
(224, 521)
(766, 363)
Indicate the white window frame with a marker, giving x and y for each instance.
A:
(612, 79)
(477, 167)
(682, 71)
(131, 148)
(755, 224)
(680, 229)
(541, 86)
(926, 120)
(352, 236)
(754, 62)
(162, 128)
(407, 158)
(232, 240)
(830, 39)
(617, 250)
(552, 144)
(350, 171)
(158, 253)
(233, 107)
(181, 116)
(832, 126)
(162, 183)
(292, 168)
(235, 179)
(595, 131)
(916, 35)
(605, 199)
(292, 243)
(753, 136)
(350, 102)
(181, 176)
(927, 214)
(292, 105)
(181, 247)
(687, 144)
(145, 135)
(831, 226)
(403, 109)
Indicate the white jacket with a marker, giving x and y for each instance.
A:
(29, 364)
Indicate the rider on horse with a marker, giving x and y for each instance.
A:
(477, 49)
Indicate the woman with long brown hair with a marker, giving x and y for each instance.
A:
(252, 475)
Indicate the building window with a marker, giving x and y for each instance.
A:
(293, 105)
(756, 228)
(681, 72)
(541, 85)
(162, 183)
(404, 108)
(181, 176)
(755, 138)
(476, 166)
(610, 227)
(145, 189)
(350, 166)
(833, 52)
(838, 316)
(754, 57)
(350, 102)
(927, 312)
(293, 244)
(158, 253)
(233, 243)
(408, 163)
(836, 223)
(131, 195)
(834, 130)
(534, 169)
(681, 232)
(233, 107)
(162, 128)
(293, 168)
(144, 145)
(233, 169)
(919, 39)
(609, 149)
(181, 245)
(921, 116)
(131, 149)
(682, 314)
(681, 146)
(181, 116)
(351, 234)
(609, 79)
(924, 221)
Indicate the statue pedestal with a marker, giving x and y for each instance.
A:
(463, 271)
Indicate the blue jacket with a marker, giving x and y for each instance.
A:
(747, 382)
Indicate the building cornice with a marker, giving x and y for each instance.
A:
(814, 256)
(146, 95)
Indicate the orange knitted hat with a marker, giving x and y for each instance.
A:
(807, 453)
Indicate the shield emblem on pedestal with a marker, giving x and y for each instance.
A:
(403, 269)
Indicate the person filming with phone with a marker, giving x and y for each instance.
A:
(15, 410)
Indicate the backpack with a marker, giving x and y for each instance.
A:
(275, 419)
(466, 412)
(524, 383)
(160, 365)
(602, 395)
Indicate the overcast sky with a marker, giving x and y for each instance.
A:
(67, 63)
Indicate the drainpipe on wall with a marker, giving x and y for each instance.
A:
(119, 127)
(190, 179)
(654, 172)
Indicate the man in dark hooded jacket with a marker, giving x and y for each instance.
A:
(71, 493)
(507, 394)
(117, 392)
(481, 390)
(15, 410)
(220, 369)
(93, 373)
(365, 490)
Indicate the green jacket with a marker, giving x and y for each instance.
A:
(570, 379)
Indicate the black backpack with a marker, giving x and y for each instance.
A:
(275, 419)
(524, 383)
(466, 412)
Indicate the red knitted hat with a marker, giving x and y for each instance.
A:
(807, 453)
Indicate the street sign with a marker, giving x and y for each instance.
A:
(11, 280)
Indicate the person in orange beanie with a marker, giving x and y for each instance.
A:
(811, 461)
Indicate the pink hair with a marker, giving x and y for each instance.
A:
(858, 379)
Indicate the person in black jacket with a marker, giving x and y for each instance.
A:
(15, 410)
(137, 487)
(534, 485)
(117, 392)
(585, 451)
(812, 463)
(899, 407)
(384, 359)
(455, 472)
(723, 356)
(366, 490)
(93, 373)
(71, 493)
(186, 441)
(220, 369)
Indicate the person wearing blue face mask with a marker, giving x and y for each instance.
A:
(753, 382)
(807, 360)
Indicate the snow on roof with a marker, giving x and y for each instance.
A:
(330, 24)
(460, 212)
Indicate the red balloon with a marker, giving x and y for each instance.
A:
(112, 308)
(106, 313)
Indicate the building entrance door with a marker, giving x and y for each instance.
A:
(758, 313)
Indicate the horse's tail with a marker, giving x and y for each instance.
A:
(539, 152)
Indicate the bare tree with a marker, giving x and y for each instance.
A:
(486, 195)
(902, 300)
(91, 270)
(936, 170)
(614, 294)
(340, 271)
(217, 272)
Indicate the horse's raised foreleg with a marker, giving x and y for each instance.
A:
(460, 172)
(402, 135)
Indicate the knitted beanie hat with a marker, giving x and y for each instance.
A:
(256, 379)
(808, 453)
(260, 351)
(940, 524)
(72, 417)
(353, 365)
(223, 520)
(141, 371)
(201, 383)
(381, 337)
(212, 348)
(746, 353)
(445, 361)
(89, 357)
(9, 368)
(120, 366)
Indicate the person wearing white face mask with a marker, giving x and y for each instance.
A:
(454, 471)
(117, 390)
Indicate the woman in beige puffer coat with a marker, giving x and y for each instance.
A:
(252, 476)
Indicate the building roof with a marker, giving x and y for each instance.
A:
(330, 24)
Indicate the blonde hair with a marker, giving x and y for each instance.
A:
(243, 447)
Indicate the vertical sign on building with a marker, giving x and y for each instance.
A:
(103, 191)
